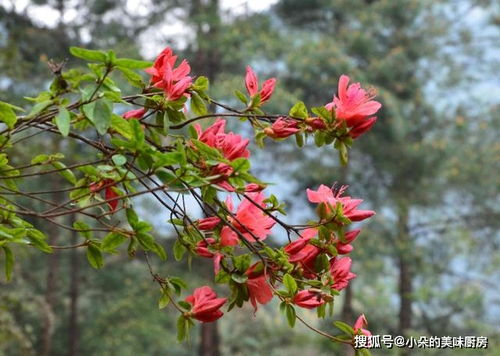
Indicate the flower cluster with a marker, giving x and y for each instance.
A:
(175, 81)
(351, 109)
(148, 151)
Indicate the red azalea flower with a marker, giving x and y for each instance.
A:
(249, 219)
(325, 194)
(109, 193)
(340, 272)
(209, 223)
(205, 304)
(175, 81)
(354, 105)
(252, 85)
(259, 290)
(134, 114)
(308, 299)
(226, 239)
(282, 128)
(360, 325)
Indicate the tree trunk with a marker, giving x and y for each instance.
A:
(73, 328)
(209, 343)
(50, 295)
(405, 274)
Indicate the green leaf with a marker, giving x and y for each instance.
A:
(241, 96)
(122, 126)
(163, 301)
(89, 54)
(132, 217)
(119, 160)
(63, 120)
(299, 110)
(66, 173)
(179, 250)
(167, 159)
(198, 105)
(94, 256)
(132, 63)
(343, 155)
(38, 108)
(7, 115)
(201, 83)
(9, 262)
(362, 352)
(239, 278)
(83, 229)
(322, 112)
(137, 133)
(160, 251)
(132, 77)
(299, 138)
(290, 315)
(208, 151)
(290, 284)
(99, 113)
(345, 328)
(37, 239)
(112, 241)
(182, 328)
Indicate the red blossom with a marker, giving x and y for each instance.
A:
(308, 299)
(226, 239)
(205, 304)
(174, 81)
(208, 223)
(252, 85)
(282, 128)
(360, 325)
(251, 221)
(326, 195)
(354, 105)
(259, 290)
(109, 192)
(135, 114)
(340, 272)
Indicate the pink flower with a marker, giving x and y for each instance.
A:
(345, 248)
(300, 250)
(253, 187)
(353, 102)
(282, 128)
(252, 85)
(259, 290)
(135, 114)
(205, 304)
(110, 194)
(174, 81)
(315, 123)
(157, 70)
(303, 253)
(174, 85)
(209, 223)
(226, 239)
(360, 325)
(231, 145)
(349, 205)
(251, 221)
(361, 127)
(354, 105)
(340, 272)
(308, 299)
